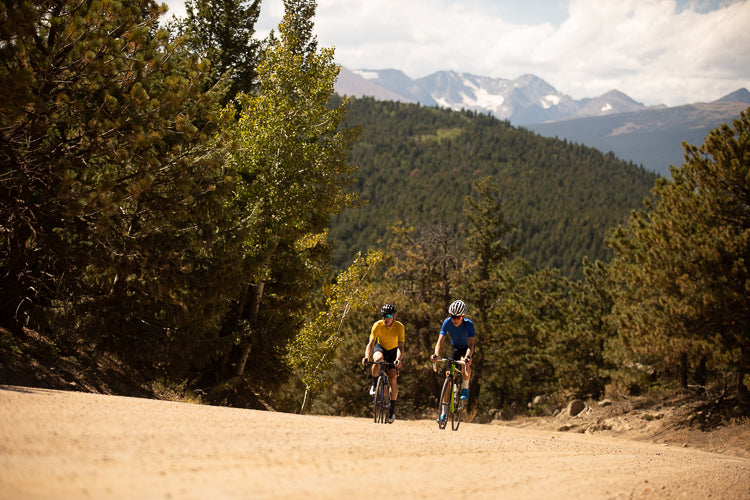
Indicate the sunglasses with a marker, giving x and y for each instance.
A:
(389, 316)
(456, 317)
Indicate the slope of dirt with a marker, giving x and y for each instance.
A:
(72, 445)
(679, 420)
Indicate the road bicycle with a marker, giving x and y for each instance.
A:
(381, 402)
(450, 402)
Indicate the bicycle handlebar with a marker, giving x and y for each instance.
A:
(386, 364)
(446, 360)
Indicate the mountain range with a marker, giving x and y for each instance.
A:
(650, 136)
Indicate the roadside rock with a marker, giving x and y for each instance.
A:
(575, 407)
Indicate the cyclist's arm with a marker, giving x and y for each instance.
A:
(368, 349)
(439, 345)
(470, 349)
(399, 353)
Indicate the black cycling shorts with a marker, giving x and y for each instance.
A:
(389, 356)
(457, 352)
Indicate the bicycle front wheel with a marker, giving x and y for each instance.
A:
(458, 406)
(444, 403)
(378, 406)
(386, 402)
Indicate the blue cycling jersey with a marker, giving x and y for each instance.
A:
(460, 334)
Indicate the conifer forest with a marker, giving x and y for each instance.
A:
(193, 207)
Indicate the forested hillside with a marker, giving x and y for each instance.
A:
(417, 164)
(160, 228)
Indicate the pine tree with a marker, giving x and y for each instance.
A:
(683, 260)
(486, 241)
(222, 32)
(110, 182)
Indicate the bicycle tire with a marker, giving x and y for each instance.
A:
(386, 401)
(378, 408)
(458, 406)
(444, 402)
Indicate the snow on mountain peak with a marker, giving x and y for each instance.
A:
(549, 101)
(527, 99)
(367, 75)
(485, 99)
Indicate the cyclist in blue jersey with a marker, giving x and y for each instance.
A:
(460, 329)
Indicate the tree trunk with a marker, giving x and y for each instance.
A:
(304, 401)
(701, 372)
(238, 312)
(743, 392)
(683, 370)
(15, 280)
(255, 297)
(243, 359)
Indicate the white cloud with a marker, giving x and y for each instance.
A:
(656, 51)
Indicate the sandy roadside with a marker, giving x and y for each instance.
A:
(74, 445)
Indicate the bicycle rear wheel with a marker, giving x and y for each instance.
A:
(458, 406)
(378, 408)
(444, 402)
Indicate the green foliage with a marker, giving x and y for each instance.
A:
(481, 280)
(139, 219)
(112, 193)
(682, 264)
(537, 331)
(486, 241)
(222, 32)
(416, 279)
(289, 160)
(417, 165)
(312, 352)
(518, 360)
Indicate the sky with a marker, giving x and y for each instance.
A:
(669, 52)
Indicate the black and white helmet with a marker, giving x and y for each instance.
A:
(388, 309)
(457, 308)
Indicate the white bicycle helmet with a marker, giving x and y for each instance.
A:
(457, 308)
(388, 309)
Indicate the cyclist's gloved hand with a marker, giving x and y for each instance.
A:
(433, 357)
(364, 361)
(397, 363)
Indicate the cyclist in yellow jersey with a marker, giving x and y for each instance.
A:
(386, 344)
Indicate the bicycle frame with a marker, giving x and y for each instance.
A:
(456, 382)
(452, 383)
(382, 399)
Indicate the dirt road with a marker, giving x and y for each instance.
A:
(63, 445)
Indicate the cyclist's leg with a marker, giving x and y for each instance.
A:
(377, 356)
(393, 381)
(390, 356)
(458, 353)
(465, 383)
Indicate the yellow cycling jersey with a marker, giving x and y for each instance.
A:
(388, 338)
